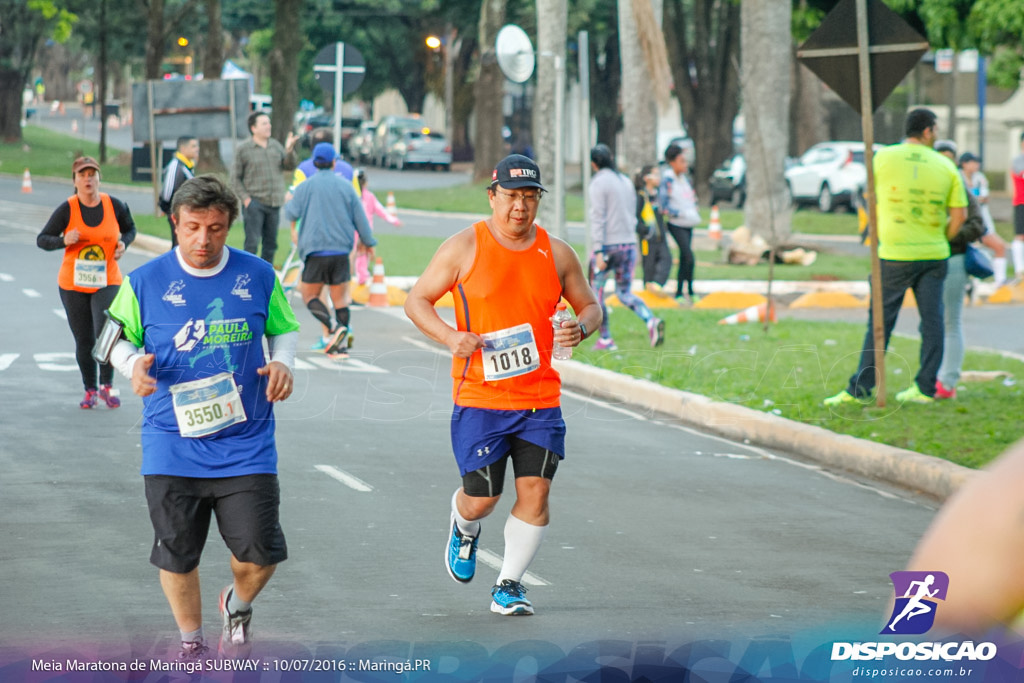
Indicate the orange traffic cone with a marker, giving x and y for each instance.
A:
(753, 314)
(26, 182)
(392, 207)
(378, 289)
(715, 226)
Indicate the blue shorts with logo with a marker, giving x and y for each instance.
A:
(480, 436)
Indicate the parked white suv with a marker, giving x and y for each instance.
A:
(829, 174)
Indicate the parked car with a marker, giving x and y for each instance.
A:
(360, 145)
(420, 146)
(729, 182)
(386, 134)
(829, 174)
(349, 126)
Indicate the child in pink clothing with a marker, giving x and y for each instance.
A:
(372, 207)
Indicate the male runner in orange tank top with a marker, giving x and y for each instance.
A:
(506, 275)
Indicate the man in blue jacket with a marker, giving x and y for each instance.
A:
(329, 212)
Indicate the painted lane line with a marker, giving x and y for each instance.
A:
(6, 277)
(60, 313)
(52, 361)
(6, 359)
(348, 365)
(494, 561)
(345, 478)
(31, 293)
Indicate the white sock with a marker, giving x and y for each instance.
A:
(522, 541)
(999, 265)
(1017, 249)
(467, 527)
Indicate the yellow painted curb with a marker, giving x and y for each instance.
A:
(829, 300)
(446, 301)
(652, 299)
(909, 301)
(396, 296)
(736, 300)
(1003, 295)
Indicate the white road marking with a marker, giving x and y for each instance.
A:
(348, 365)
(6, 359)
(31, 293)
(345, 478)
(50, 361)
(303, 365)
(6, 277)
(60, 313)
(493, 561)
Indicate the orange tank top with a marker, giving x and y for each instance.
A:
(90, 261)
(508, 297)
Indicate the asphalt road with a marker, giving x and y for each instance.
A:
(661, 536)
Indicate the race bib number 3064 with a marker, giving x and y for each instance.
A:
(206, 406)
(510, 352)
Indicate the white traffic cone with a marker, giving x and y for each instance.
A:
(392, 207)
(754, 314)
(26, 182)
(378, 288)
(74, 125)
(715, 225)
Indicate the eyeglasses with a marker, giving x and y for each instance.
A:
(526, 197)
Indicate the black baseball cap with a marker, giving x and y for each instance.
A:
(968, 156)
(515, 171)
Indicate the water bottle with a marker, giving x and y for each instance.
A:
(559, 352)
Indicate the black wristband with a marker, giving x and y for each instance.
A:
(583, 331)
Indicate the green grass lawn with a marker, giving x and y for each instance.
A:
(796, 364)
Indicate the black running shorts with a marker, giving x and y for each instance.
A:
(326, 270)
(1018, 219)
(528, 460)
(247, 517)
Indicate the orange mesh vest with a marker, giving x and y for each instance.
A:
(95, 244)
(504, 289)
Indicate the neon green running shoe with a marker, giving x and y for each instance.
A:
(913, 395)
(841, 398)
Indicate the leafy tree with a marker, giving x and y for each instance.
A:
(23, 26)
(998, 27)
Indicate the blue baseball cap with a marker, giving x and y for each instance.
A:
(324, 153)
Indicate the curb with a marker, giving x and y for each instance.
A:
(926, 474)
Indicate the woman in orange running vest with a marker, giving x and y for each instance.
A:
(93, 229)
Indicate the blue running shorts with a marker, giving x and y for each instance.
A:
(481, 436)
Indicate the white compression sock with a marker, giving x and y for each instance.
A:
(999, 266)
(522, 541)
(465, 526)
(1017, 249)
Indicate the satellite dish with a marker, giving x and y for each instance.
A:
(514, 52)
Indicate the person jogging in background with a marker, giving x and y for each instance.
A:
(193, 324)
(328, 213)
(93, 229)
(180, 168)
(613, 202)
(507, 275)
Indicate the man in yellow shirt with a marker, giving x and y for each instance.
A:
(921, 205)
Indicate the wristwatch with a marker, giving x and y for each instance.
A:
(583, 331)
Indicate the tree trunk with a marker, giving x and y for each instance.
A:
(703, 40)
(284, 65)
(766, 74)
(808, 121)
(552, 18)
(213, 64)
(488, 93)
(951, 126)
(154, 38)
(11, 81)
(101, 82)
(606, 77)
(639, 112)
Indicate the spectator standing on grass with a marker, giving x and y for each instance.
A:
(180, 168)
(977, 186)
(655, 255)
(679, 205)
(256, 179)
(954, 287)
(921, 205)
(613, 236)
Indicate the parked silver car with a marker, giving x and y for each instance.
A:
(360, 145)
(389, 129)
(829, 174)
(420, 146)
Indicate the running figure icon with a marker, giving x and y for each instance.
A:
(916, 605)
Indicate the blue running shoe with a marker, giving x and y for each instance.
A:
(460, 555)
(509, 598)
(319, 345)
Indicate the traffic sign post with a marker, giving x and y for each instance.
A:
(339, 68)
(862, 50)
